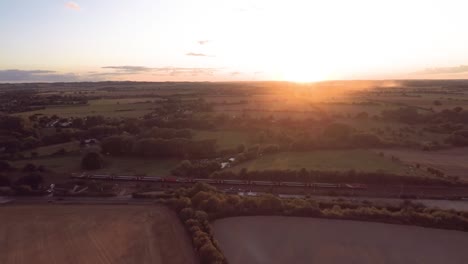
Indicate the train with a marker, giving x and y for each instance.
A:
(182, 180)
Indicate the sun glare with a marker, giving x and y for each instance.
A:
(304, 74)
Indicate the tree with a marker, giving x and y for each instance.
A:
(4, 165)
(337, 131)
(33, 180)
(4, 180)
(91, 161)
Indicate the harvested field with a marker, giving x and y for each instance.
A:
(451, 161)
(92, 234)
(275, 239)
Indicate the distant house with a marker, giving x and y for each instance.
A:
(90, 141)
(224, 165)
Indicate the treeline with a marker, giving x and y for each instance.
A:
(410, 115)
(304, 175)
(198, 205)
(158, 147)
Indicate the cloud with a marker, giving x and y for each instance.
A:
(157, 71)
(203, 42)
(72, 5)
(445, 70)
(235, 73)
(14, 75)
(180, 71)
(128, 69)
(196, 54)
(108, 73)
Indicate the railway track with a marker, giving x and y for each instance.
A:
(183, 180)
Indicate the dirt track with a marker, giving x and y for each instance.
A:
(57, 234)
(277, 240)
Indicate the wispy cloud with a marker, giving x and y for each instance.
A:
(181, 71)
(158, 71)
(235, 73)
(196, 54)
(203, 42)
(445, 70)
(73, 5)
(108, 73)
(128, 69)
(14, 75)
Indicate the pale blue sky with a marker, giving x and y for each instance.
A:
(213, 40)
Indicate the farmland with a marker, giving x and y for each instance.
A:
(268, 239)
(92, 234)
(339, 160)
(131, 107)
(451, 161)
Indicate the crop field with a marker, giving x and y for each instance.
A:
(339, 160)
(105, 107)
(453, 162)
(275, 239)
(56, 234)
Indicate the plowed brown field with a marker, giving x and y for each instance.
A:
(92, 234)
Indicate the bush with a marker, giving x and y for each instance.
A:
(91, 161)
(33, 180)
(4, 165)
(4, 181)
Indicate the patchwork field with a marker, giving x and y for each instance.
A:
(453, 162)
(340, 160)
(92, 234)
(271, 239)
(105, 107)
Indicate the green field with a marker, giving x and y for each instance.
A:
(225, 138)
(72, 146)
(129, 107)
(339, 160)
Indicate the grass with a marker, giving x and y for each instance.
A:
(51, 149)
(106, 107)
(225, 138)
(339, 160)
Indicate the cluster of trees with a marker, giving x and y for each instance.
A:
(410, 115)
(167, 133)
(92, 161)
(304, 175)
(163, 148)
(30, 180)
(179, 123)
(458, 138)
(16, 101)
(197, 224)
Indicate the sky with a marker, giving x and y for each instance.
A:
(242, 40)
